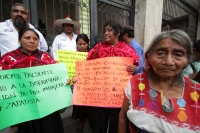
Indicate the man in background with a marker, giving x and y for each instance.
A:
(128, 37)
(9, 37)
(10, 28)
(67, 39)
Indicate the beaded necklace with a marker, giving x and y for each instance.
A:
(153, 95)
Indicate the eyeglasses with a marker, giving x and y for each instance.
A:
(108, 30)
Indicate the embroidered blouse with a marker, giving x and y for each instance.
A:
(19, 59)
(121, 49)
(148, 109)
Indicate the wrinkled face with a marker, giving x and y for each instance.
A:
(109, 36)
(168, 58)
(29, 42)
(19, 16)
(68, 28)
(82, 45)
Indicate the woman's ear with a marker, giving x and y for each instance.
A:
(148, 60)
(118, 34)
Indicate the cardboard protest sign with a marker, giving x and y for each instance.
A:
(101, 82)
(70, 58)
(32, 93)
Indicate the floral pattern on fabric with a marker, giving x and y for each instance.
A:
(121, 49)
(18, 59)
(184, 112)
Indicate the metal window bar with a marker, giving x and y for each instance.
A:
(1, 12)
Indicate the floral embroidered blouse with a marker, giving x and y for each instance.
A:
(121, 49)
(151, 112)
(19, 59)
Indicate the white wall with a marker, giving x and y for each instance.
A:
(148, 20)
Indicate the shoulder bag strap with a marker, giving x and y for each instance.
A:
(193, 68)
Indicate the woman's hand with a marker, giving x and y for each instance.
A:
(14, 129)
(122, 123)
(74, 79)
(131, 69)
(68, 82)
(192, 76)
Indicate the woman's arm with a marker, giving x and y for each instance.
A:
(122, 124)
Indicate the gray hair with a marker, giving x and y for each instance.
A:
(178, 36)
(20, 4)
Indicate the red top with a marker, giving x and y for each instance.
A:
(182, 117)
(121, 49)
(19, 59)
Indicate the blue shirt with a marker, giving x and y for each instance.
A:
(139, 50)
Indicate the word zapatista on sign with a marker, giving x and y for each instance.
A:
(32, 93)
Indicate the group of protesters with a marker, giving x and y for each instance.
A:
(160, 97)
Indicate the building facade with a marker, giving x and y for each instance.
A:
(149, 17)
(154, 16)
(92, 14)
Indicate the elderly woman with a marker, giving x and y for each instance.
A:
(161, 100)
(27, 55)
(105, 120)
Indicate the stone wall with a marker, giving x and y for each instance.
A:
(148, 20)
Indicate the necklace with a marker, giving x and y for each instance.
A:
(153, 105)
(141, 87)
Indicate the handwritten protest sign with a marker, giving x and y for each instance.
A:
(32, 93)
(101, 82)
(70, 58)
